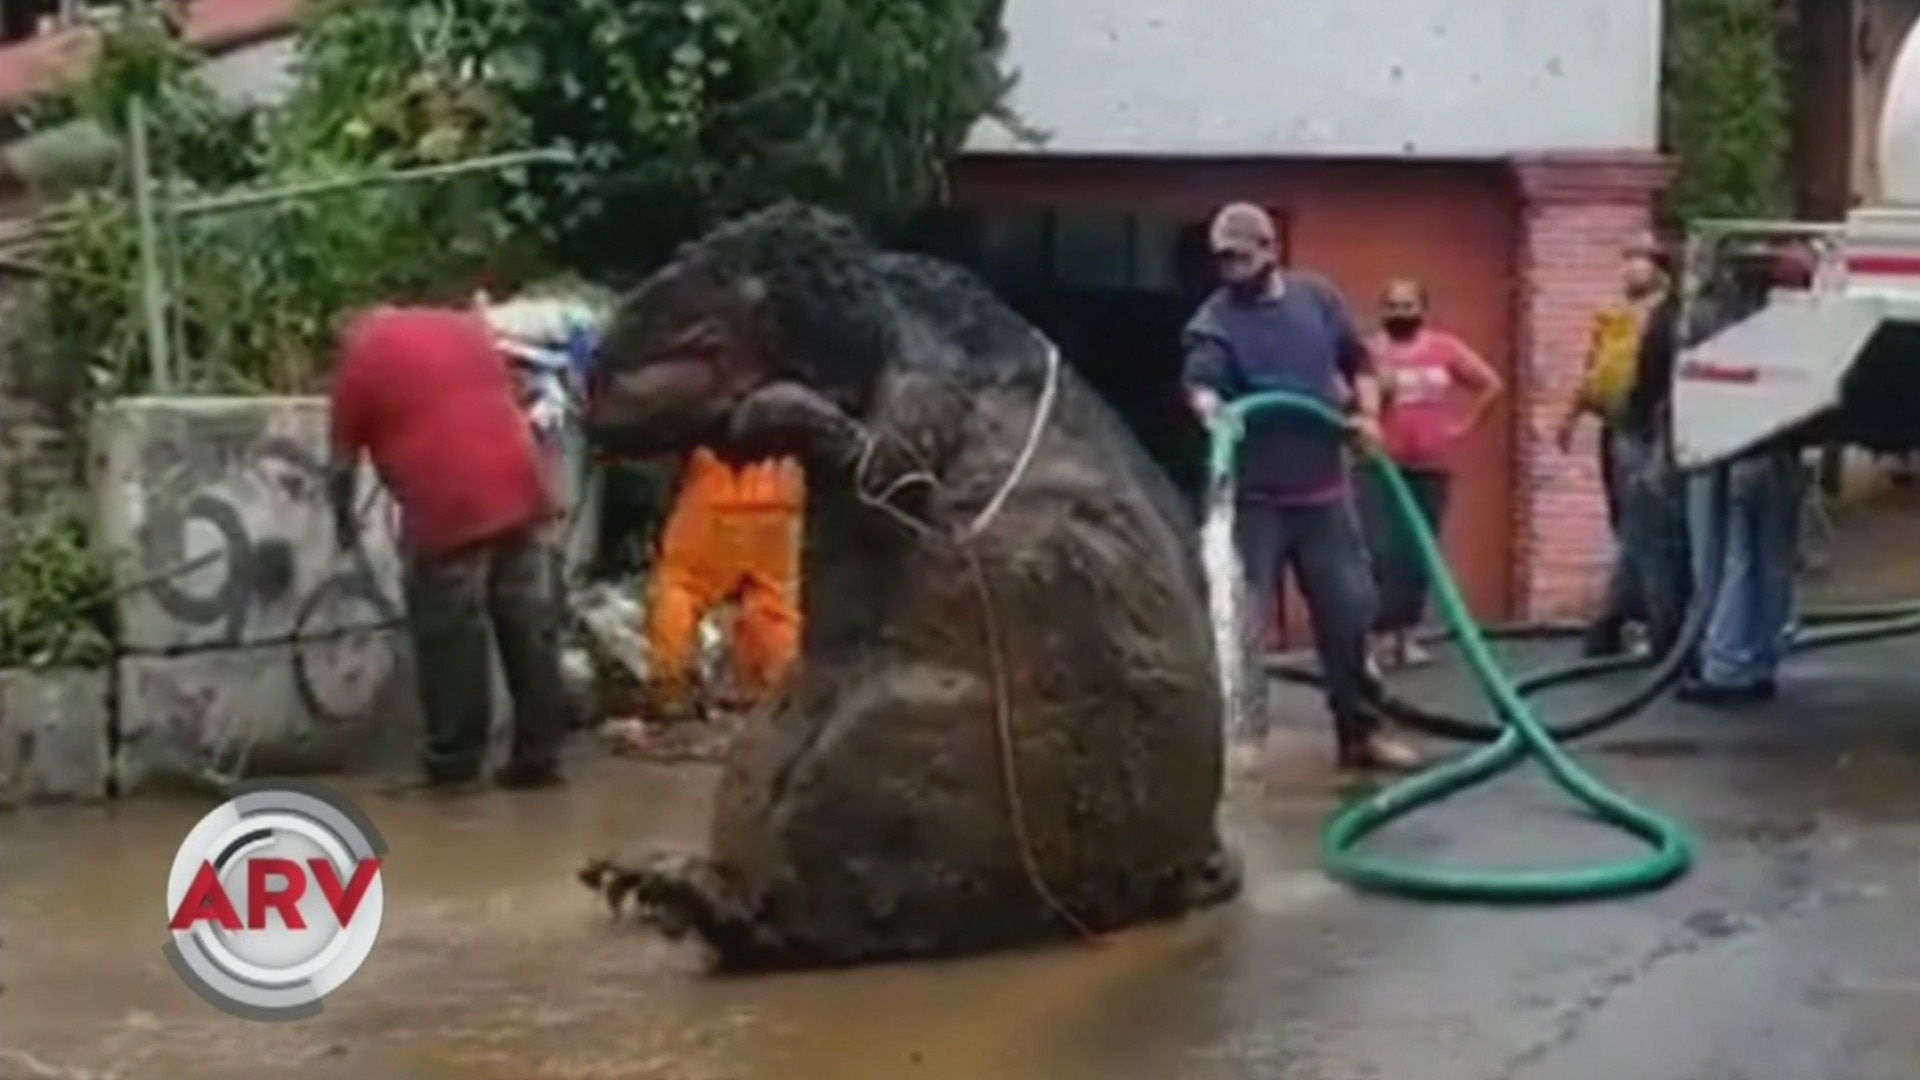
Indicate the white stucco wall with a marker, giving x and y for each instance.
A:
(259, 74)
(1434, 78)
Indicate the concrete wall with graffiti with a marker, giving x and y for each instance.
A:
(248, 641)
(249, 638)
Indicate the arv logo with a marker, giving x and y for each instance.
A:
(275, 900)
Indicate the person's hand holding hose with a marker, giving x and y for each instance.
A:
(1364, 430)
(1214, 414)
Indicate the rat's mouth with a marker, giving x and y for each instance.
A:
(665, 406)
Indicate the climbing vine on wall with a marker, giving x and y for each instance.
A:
(1725, 109)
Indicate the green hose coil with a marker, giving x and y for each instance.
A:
(1523, 738)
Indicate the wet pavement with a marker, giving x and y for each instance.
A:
(1790, 953)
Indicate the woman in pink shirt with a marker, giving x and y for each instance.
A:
(1437, 389)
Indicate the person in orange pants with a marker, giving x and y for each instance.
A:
(734, 534)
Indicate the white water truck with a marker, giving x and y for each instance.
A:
(1838, 351)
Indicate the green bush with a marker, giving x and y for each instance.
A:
(54, 596)
(259, 292)
(1725, 112)
(677, 111)
(684, 111)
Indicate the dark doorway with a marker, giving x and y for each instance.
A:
(1113, 292)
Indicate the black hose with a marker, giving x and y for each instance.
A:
(1842, 626)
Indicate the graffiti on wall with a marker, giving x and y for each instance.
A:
(257, 571)
(239, 608)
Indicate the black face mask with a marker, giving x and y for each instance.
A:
(1402, 327)
(1252, 286)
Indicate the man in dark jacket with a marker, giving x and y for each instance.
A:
(1652, 567)
(1606, 392)
(1267, 329)
(1649, 576)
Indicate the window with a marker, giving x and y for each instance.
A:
(1156, 254)
(1013, 248)
(1092, 252)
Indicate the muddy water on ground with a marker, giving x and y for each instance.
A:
(495, 963)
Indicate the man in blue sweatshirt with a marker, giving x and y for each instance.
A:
(1269, 329)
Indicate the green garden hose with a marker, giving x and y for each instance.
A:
(1522, 737)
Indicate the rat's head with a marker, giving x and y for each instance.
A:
(789, 293)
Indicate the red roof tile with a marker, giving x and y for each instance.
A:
(38, 66)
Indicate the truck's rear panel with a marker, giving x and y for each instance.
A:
(1838, 344)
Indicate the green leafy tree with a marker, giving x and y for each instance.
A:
(54, 609)
(681, 111)
(1725, 109)
(677, 112)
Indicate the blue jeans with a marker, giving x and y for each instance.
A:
(1322, 546)
(1649, 573)
(1747, 630)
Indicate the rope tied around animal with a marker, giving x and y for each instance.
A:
(962, 540)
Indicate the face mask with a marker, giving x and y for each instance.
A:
(1253, 284)
(1248, 288)
(1401, 327)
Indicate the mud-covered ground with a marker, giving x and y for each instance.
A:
(1791, 952)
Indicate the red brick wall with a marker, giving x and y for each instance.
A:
(1576, 214)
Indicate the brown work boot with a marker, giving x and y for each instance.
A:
(1381, 753)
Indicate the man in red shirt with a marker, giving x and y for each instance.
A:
(424, 394)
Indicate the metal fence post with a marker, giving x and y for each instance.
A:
(153, 287)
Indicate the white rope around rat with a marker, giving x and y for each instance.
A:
(883, 500)
(990, 621)
(1042, 412)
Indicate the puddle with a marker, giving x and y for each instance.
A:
(495, 963)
